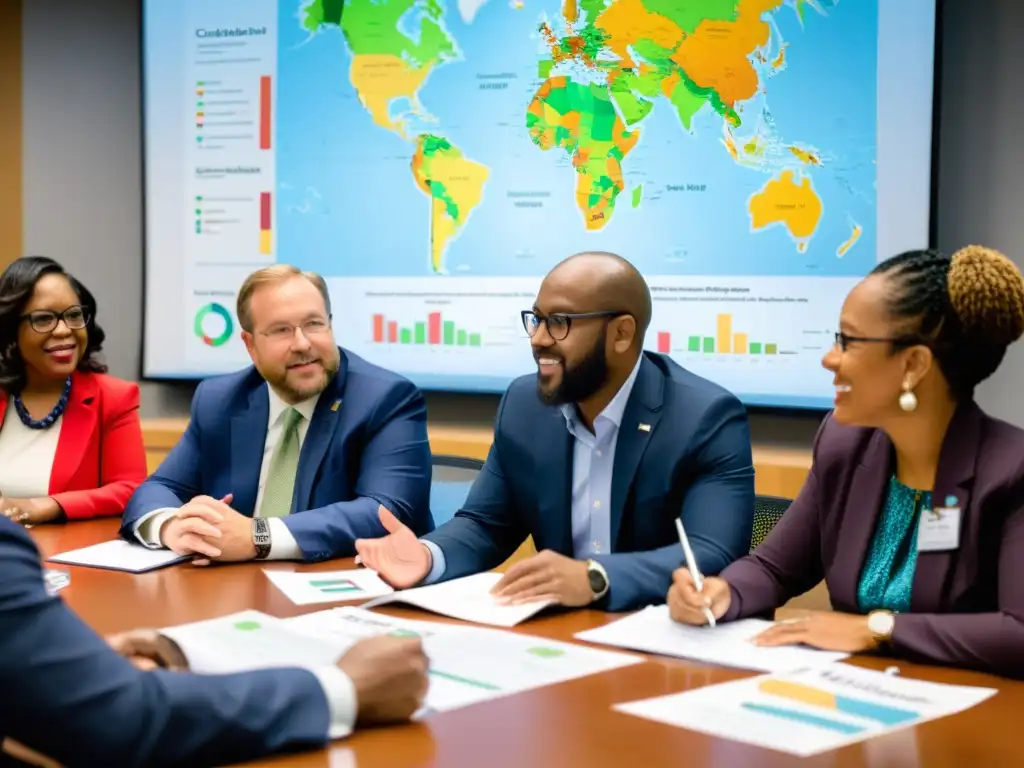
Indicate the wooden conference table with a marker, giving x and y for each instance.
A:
(571, 724)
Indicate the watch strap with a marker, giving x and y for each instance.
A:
(261, 537)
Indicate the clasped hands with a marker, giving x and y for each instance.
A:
(825, 630)
(403, 561)
(35, 511)
(209, 529)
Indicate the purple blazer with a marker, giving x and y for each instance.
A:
(967, 606)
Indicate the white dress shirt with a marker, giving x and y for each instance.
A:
(282, 543)
(26, 456)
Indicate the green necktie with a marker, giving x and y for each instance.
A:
(284, 465)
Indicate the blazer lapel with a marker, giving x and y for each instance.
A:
(953, 478)
(248, 437)
(639, 420)
(553, 472)
(326, 418)
(76, 430)
(863, 509)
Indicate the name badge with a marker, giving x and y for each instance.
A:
(939, 530)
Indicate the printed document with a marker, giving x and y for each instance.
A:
(728, 644)
(468, 598)
(809, 711)
(120, 555)
(328, 586)
(467, 664)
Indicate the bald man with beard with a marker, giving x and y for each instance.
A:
(595, 456)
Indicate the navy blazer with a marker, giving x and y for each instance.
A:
(366, 445)
(966, 605)
(68, 695)
(694, 462)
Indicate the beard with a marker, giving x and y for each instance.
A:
(580, 381)
(297, 392)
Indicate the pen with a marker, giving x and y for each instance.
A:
(691, 564)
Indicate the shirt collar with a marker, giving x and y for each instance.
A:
(279, 406)
(614, 410)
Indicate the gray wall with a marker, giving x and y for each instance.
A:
(83, 175)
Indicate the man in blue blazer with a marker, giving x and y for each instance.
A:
(289, 459)
(595, 457)
(70, 695)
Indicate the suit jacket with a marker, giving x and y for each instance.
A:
(967, 607)
(100, 458)
(68, 695)
(694, 462)
(366, 445)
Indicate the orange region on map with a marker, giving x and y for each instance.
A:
(379, 79)
(455, 186)
(780, 58)
(626, 21)
(850, 241)
(790, 202)
(715, 55)
(806, 156)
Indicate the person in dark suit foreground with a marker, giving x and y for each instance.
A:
(70, 695)
(913, 511)
(289, 459)
(595, 456)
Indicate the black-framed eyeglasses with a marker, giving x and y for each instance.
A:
(843, 340)
(312, 327)
(43, 320)
(559, 323)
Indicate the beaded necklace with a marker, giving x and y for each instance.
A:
(47, 421)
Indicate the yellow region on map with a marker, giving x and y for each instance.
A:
(789, 201)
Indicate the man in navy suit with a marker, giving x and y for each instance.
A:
(70, 695)
(594, 457)
(289, 459)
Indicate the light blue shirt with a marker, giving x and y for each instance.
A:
(593, 462)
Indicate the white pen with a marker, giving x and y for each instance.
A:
(691, 563)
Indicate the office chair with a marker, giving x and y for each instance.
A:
(768, 510)
(453, 476)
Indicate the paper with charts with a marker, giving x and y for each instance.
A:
(467, 664)
(728, 644)
(468, 598)
(328, 586)
(811, 710)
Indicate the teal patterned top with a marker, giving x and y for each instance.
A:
(888, 575)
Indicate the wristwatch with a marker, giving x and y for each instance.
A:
(261, 537)
(881, 625)
(598, 578)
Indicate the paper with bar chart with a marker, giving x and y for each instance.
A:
(809, 711)
(433, 160)
(467, 664)
(328, 586)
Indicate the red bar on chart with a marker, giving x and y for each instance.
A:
(664, 342)
(266, 230)
(434, 328)
(392, 332)
(265, 106)
(378, 329)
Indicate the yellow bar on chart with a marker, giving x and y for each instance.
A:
(739, 343)
(266, 241)
(724, 334)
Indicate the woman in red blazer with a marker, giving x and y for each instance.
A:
(70, 437)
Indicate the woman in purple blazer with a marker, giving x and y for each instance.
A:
(913, 511)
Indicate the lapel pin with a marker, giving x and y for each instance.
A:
(951, 501)
(335, 405)
(644, 427)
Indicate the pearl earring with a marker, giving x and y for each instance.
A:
(908, 400)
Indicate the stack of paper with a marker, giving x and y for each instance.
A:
(468, 598)
(120, 555)
(810, 710)
(653, 630)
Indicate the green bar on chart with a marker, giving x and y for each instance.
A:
(421, 333)
(771, 349)
(755, 347)
(449, 332)
(693, 344)
(709, 345)
(405, 336)
(474, 339)
(462, 338)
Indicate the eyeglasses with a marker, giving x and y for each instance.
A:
(282, 333)
(44, 321)
(844, 340)
(559, 323)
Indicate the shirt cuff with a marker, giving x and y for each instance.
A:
(341, 701)
(282, 544)
(438, 564)
(147, 529)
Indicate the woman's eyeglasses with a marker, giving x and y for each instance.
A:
(44, 321)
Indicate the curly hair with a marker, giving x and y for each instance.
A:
(17, 283)
(967, 308)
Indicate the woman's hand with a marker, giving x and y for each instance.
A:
(826, 630)
(686, 605)
(30, 511)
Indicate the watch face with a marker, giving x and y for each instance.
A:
(881, 623)
(597, 581)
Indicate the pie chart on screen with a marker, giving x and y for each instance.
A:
(213, 324)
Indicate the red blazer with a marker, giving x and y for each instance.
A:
(100, 458)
